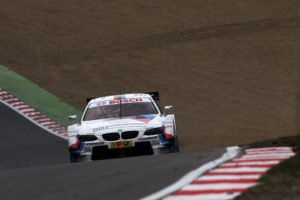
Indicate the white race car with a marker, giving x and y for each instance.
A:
(122, 125)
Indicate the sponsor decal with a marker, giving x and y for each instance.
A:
(153, 139)
(94, 143)
(168, 122)
(118, 101)
(100, 128)
(125, 101)
(148, 138)
(121, 144)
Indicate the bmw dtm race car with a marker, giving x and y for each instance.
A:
(123, 125)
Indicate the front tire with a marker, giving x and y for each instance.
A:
(174, 146)
(73, 156)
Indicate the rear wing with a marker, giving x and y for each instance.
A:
(154, 95)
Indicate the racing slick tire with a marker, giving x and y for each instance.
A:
(173, 146)
(73, 156)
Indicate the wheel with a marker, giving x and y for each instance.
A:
(174, 146)
(73, 156)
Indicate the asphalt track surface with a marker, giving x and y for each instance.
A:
(23, 144)
(34, 165)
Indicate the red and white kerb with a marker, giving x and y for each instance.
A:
(33, 115)
(234, 177)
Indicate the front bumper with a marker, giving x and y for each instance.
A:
(146, 145)
(103, 152)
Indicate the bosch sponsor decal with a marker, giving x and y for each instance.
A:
(32, 115)
(118, 101)
(231, 179)
(126, 101)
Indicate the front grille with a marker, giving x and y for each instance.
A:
(111, 136)
(129, 134)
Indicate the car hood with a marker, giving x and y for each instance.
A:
(114, 124)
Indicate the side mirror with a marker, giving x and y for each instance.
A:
(72, 117)
(167, 108)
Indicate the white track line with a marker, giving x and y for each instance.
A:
(251, 163)
(229, 177)
(204, 197)
(32, 115)
(218, 186)
(244, 169)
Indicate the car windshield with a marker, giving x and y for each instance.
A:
(111, 109)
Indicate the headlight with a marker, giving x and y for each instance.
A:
(154, 131)
(84, 138)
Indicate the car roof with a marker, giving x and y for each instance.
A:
(120, 97)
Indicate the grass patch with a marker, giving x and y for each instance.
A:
(36, 97)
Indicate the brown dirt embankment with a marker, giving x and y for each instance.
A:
(230, 67)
